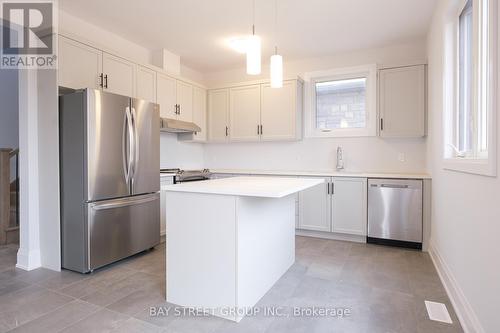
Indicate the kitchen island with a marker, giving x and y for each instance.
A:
(229, 240)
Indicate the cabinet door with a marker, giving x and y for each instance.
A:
(279, 112)
(402, 101)
(244, 113)
(166, 95)
(79, 65)
(349, 206)
(185, 101)
(119, 75)
(218, 114)
(200, 113)
(315, 208)
(145, 87)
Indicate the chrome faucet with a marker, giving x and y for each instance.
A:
(340, 159)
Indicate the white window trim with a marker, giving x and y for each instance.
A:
(451, 161)
(368, 71)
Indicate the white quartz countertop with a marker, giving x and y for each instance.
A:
(326, 173)
(267, 187)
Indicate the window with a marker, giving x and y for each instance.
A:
(465, 132)
(341, 102)
(470, 78)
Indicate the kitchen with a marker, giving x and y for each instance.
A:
(322, 133)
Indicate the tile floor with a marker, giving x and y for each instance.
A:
(384, 288)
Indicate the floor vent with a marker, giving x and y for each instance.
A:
(438, 312)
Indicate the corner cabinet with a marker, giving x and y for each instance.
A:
(256, 112)
(339, 205)
(402, 102)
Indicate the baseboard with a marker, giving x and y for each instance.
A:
(28, 260)
(331, 235)
(466, 315)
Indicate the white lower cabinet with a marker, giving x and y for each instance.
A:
(349, 206)
(315, 208)
(339, 205)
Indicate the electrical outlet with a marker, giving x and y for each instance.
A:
(401, 157)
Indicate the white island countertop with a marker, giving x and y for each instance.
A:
(265, 187)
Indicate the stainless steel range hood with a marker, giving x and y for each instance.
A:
(178, 126)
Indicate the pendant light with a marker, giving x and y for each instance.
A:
(253, 50)
(276, 59)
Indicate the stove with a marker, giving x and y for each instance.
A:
(182, 176)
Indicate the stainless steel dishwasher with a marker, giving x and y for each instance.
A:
(395, 212)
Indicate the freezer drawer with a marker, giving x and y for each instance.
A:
(395, 211)
(120, 228)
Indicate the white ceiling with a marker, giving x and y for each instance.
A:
(198, 30)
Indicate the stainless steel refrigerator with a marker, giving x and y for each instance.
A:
(110, 167)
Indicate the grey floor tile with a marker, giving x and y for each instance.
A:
(62, 279)
(20, 307)
(101, 321)
(137, 301)
(59, 319)
(133, 325)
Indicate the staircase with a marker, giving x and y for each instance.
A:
(9, 198)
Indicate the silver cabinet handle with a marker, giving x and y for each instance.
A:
(106, 81)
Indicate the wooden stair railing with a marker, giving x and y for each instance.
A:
(6, 198)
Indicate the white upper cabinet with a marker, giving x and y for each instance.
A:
(349, 205)
(315, 208)
(145, 85)
(218, 115)
(199, 116)
(260, 113)
(119, 75)
(200, 113)
(79, 65)
(166, 96)
(184, 101)
(244, 113)
(279, 112)
(402, 100)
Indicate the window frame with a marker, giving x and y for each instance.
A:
(369, 72)
(484, 85)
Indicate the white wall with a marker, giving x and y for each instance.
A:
(369, 154)
(178, 154)
(466, 211)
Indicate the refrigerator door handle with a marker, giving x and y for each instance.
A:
(127, 153)
(124, 203)
(136, 142)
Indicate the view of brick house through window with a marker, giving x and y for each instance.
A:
(341, 104)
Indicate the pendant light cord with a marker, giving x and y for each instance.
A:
(275, 26)
(253, 17)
